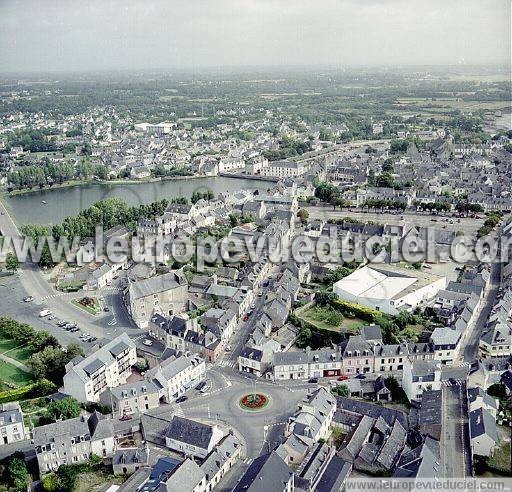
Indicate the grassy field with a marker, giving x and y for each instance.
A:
(501, 457)
(96, 481)
(11, 349)
(333, 321)
(10, 375)
(13, 376)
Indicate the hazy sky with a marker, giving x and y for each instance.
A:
(38, 35)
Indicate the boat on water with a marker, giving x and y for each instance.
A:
(43, 201)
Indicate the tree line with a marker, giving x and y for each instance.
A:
(50, 173)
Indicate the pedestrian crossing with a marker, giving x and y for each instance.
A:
(247, 460)
(227, 363)
(462, 364)
(455, 382)
(54, 296)
(110, 290)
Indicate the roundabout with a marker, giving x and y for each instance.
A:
(254, 402)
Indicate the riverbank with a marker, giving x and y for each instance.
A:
(67, 184)
(52, 205)
(256, 177)
(119, 182)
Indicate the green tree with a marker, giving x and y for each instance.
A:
(303, 215)
(304, 338)
(11, 262)
(67, 408)
(342, 390)
(18, 474)
(325, 298)
(51, 483)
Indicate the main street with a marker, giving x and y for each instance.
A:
(455, 441)
(469, 346)
(455, 445)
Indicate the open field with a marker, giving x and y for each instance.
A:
(12, 375)
(331, 320)
(501, 457)
(11, 349)
(96, 481)
(452, 103)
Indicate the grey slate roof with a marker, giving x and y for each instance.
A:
(481, 422)
(130, 456)
(420, 462)
(334, 475)
(190, 431)
(266, 473)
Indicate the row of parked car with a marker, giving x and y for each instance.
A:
(72, 328)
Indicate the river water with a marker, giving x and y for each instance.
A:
(64, 202)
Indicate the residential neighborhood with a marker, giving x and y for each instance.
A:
(254, 279)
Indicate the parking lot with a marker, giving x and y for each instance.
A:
(467, 225)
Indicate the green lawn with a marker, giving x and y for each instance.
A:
(501, 457)
(331, 320)
(14, 376)
(93, 309)
(10, 349)
(6, 344)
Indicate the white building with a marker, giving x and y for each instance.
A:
(389, 289)
(12, 428)
(107, 367)
(483, 432)
(419, 376)
(283, 169)
(192, 438)
(176, 375)
(313, 419)
(73, 441)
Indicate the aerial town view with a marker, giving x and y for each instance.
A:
(255, 245)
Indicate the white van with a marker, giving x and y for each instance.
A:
(44, 312)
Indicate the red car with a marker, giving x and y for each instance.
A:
(343, 378)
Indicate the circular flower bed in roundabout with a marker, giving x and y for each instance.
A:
(254, 401)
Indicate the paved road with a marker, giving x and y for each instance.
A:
(469, 346)
(7, 225)
(467, 225)
(260, 430)
(455, 446)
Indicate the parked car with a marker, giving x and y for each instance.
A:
(201, 385)
(44, 313)
(343, 377)
(147, 342)
(313, 380)
(181, 399)
(106, 309)
(28, 299)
